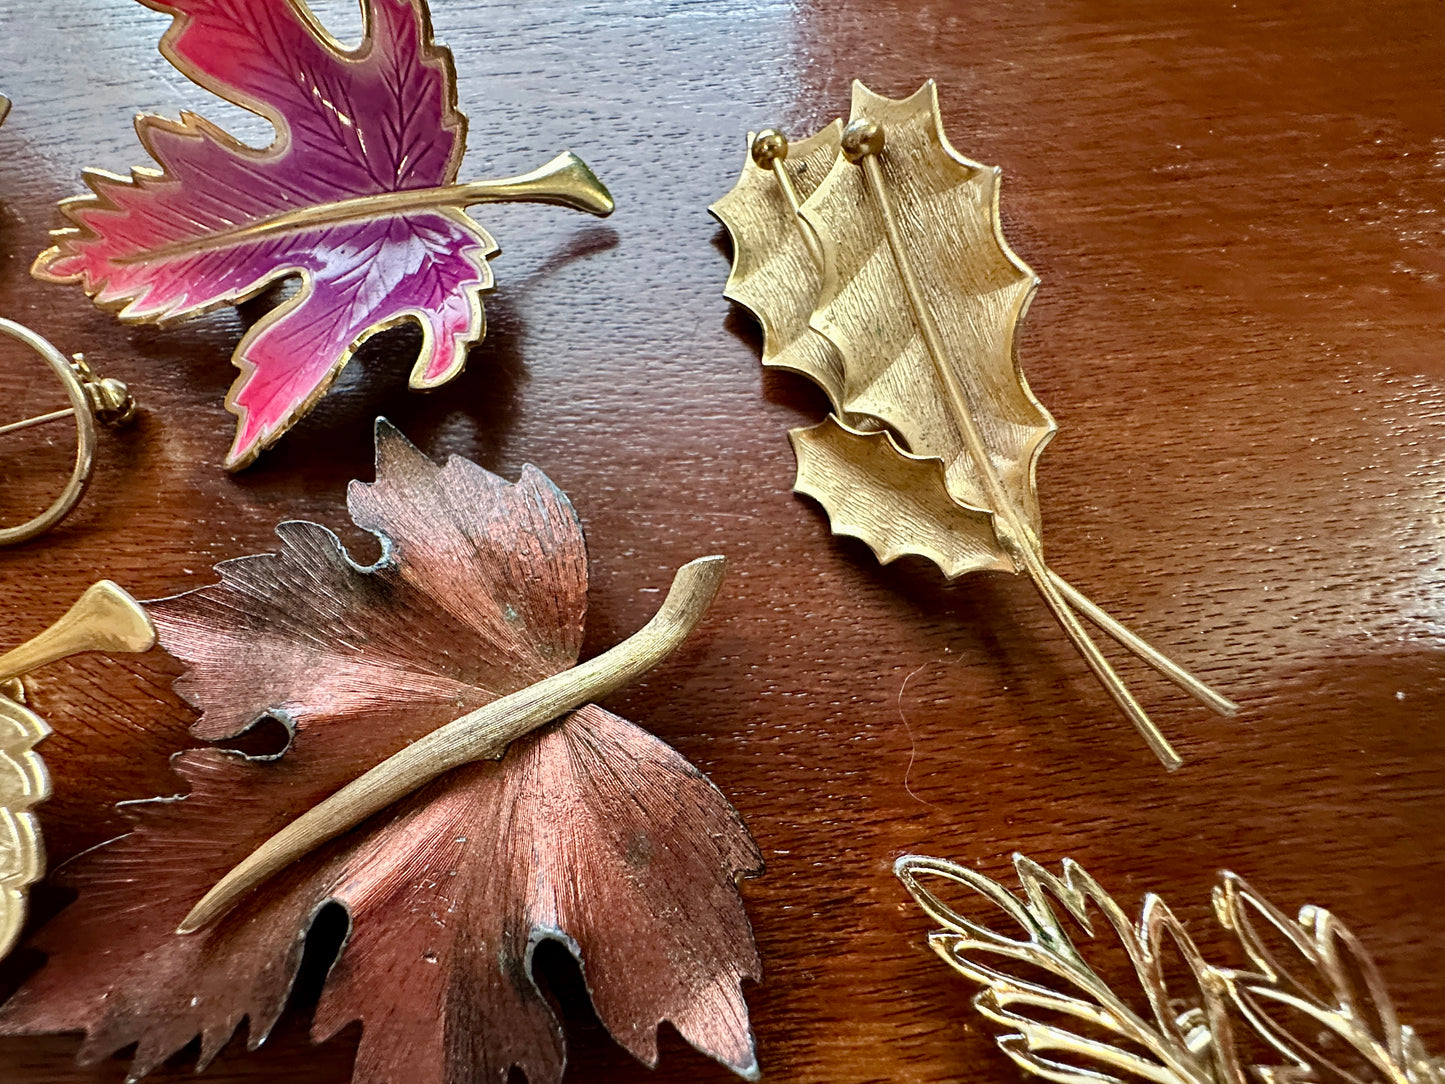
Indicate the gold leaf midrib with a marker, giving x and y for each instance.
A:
(565, 180)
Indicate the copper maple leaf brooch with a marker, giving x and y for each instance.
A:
(357, 196)
(873, 257)
(447, 782)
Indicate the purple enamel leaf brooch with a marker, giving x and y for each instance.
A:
(357, 196)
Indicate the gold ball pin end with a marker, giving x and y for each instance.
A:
(769, 146)
(862, 139)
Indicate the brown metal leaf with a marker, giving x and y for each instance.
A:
(480, 590)
(589, 831)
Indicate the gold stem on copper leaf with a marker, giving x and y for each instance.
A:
(479, 735)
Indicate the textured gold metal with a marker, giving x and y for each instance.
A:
(479, 735)
(1309, 993)
(843, 469)
(907, 322)
(24, 783)
(778, 278)
(105, 618)
(92, 399)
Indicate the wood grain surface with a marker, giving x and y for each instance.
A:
(1236, 211)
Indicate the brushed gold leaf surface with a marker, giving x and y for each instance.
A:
(894, 502)
(976, 287)
(900, 250)
(773, 273)
(23, 784)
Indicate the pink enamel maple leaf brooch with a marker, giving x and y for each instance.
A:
(357, 196)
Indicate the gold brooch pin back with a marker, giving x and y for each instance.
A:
(92, 399)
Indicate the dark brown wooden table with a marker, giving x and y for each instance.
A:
(1237, 211)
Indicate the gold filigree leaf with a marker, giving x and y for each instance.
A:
(1328, 985)
(1325, 1011)
(894, 502)
(973, 948)
(976, 288)
(23, 784)
(773, 274)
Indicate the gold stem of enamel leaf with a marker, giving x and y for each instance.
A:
(479, 735)
(566, 181)
(1016, 539)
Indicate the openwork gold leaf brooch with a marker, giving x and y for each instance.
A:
(1309, 1004)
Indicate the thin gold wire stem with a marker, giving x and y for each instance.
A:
(1140, 647)
(1016, 539)
(479, 735)
(39, 419)
(810, 239)
(566, 181)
